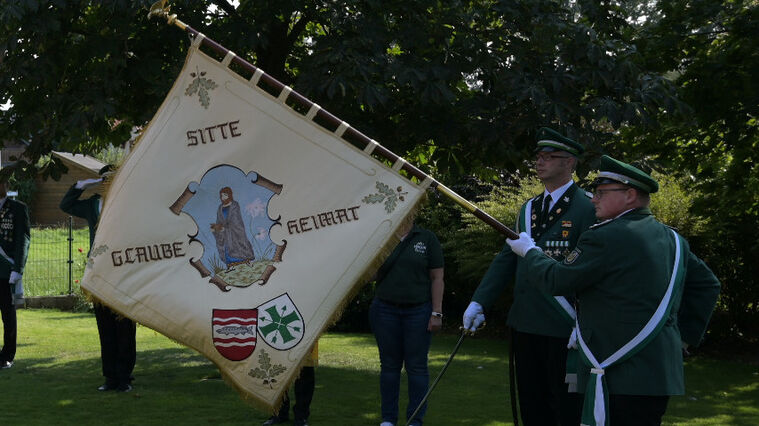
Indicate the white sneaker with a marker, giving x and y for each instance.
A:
(386, 424)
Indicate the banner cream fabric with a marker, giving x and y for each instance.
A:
(238, 227)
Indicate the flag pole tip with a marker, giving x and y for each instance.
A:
(161, 9)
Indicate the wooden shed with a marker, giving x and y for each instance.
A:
(48, 194)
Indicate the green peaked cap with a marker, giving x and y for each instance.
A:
(551, 140)
(615, 171)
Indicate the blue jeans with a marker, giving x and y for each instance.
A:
(402, 340)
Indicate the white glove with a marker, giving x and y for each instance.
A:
(84, 184)
(15, 277)
(473, 316)
(522, 245)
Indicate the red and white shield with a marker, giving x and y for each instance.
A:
(234, 332)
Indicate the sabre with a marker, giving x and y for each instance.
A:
(437, 379)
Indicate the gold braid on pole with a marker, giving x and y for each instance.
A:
(161, 9)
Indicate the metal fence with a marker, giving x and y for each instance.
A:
(57, 256)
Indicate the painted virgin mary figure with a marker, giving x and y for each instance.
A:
(229, 230)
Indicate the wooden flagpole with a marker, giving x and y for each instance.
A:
(351, 135)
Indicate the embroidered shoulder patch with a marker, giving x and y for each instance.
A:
(572, 256)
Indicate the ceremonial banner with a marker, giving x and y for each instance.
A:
(239, 228)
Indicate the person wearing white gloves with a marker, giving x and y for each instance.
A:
(541, 324)
(642, 295)
(14, 248)
(118, 351)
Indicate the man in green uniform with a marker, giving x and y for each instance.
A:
(14, 247)
(541, 324)
(642, 296)
(118, 350)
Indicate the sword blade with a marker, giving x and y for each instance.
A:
(437, 379)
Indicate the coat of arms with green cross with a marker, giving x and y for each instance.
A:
(280, 324)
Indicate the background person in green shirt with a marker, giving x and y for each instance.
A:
(642, 296)
(406, 309)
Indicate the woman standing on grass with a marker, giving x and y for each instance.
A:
(406, 309)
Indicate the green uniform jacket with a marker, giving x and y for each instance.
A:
(531, 311)
(620, 271)
(14, 236)
(88, 209)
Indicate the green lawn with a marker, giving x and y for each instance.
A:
(58, 368)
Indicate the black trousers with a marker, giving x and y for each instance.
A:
(541, 363)
(304, 393)
(8, 310)
(118, 350)
(637, 410)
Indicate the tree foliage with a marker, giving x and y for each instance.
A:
(473, 79)
(711, 49)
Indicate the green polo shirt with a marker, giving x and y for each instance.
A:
(408, 279)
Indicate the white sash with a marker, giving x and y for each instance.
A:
(596, 384)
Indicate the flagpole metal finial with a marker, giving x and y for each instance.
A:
(161, 9)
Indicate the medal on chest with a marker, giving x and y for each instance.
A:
(6, 225)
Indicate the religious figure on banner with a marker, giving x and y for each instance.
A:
(229, 231)
(244, 252)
